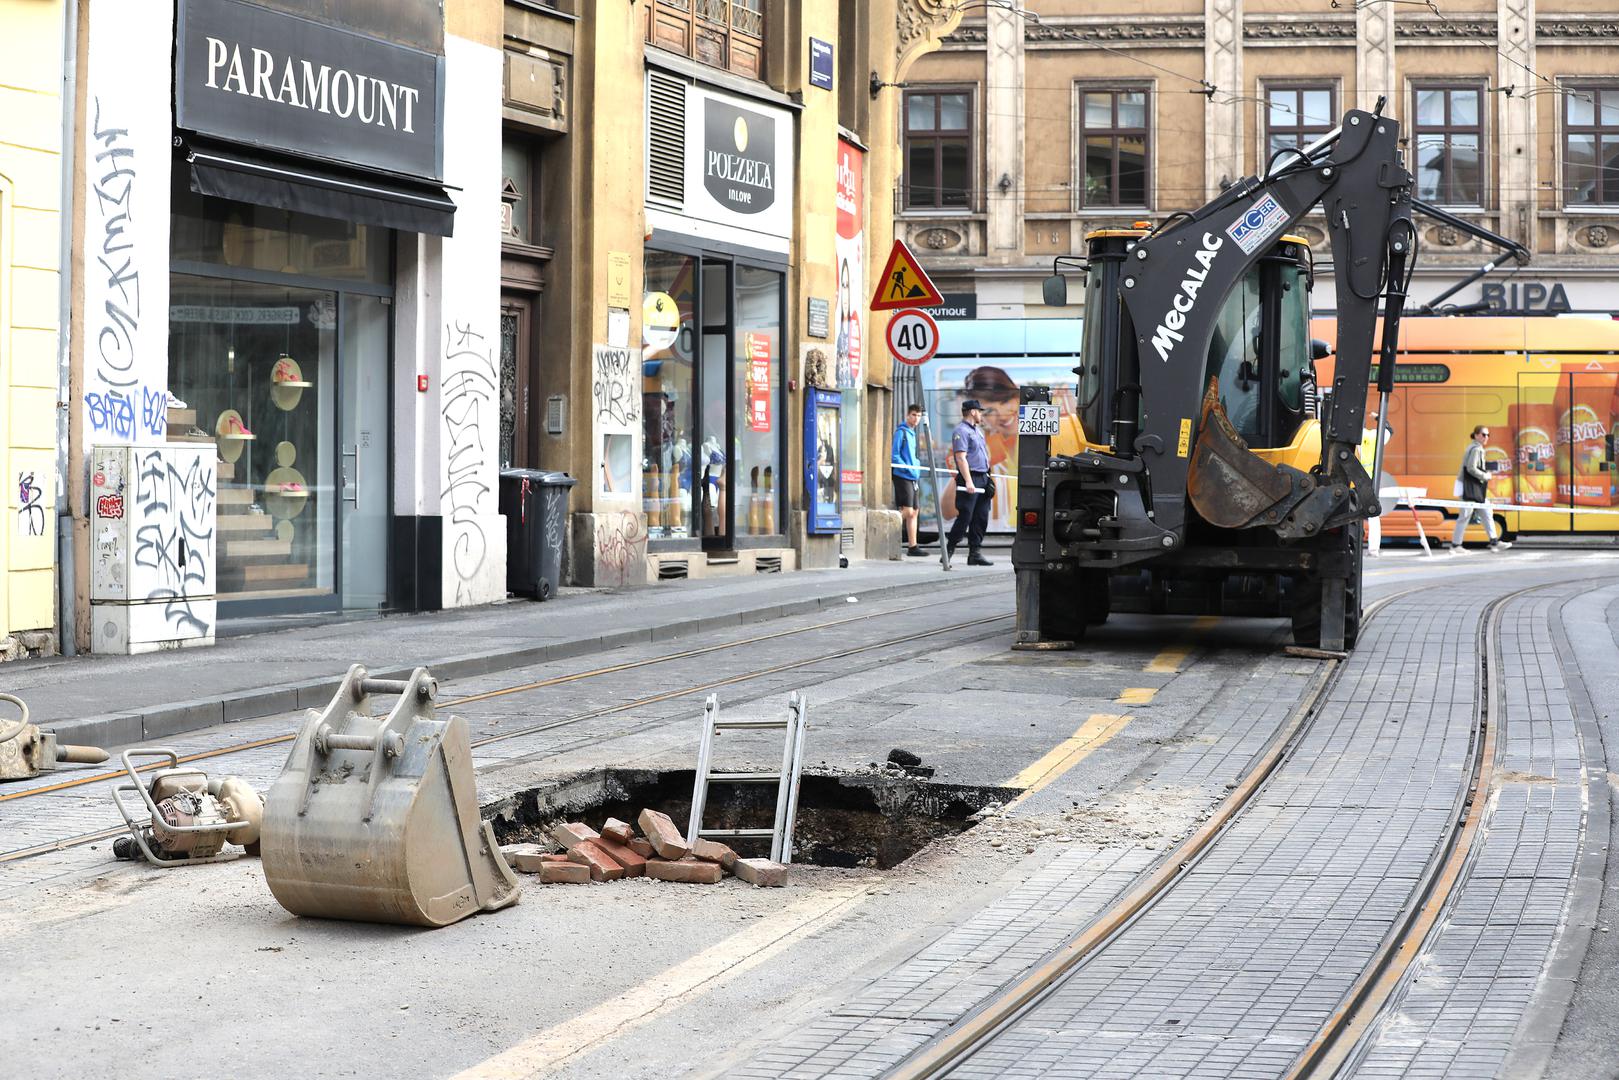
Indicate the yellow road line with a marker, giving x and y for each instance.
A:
(1170, 660)
(667, 990)
(1065, 755)
(1135, 695)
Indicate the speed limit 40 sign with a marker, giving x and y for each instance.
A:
(913, 336)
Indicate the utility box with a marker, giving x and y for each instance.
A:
(152, 547)
(535, 505)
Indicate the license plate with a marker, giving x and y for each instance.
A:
(1037, 420)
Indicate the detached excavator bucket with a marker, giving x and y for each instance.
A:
(375, 818)
(1230, 485)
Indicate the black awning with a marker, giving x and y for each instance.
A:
(391, 201)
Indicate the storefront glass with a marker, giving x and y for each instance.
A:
(668, 312)
(279, 347)
(756, 386)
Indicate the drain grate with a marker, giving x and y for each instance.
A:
(767, 564)
(670, 569)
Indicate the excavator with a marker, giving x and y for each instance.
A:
(1192, 474)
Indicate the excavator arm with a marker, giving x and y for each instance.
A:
(1173, 288)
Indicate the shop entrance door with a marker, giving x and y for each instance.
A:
(363, 408)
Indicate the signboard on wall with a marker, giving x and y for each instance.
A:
(265, 78)
(739, 162)
(850, 248)
(820, 63)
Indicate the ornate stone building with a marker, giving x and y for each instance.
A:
(1021, 136)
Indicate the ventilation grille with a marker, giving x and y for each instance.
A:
(666, 140)
(767, 564)
(846, 539)
(670, 569)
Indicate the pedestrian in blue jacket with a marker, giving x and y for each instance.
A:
(906, 475)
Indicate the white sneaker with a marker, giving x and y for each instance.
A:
(1500, 545)
(1457, 549)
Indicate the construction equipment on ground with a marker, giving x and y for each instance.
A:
(189, 818)
(26, 751)
(375, 818)
(1192, 474)
(780, 832)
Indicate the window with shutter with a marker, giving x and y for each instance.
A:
(666, 140)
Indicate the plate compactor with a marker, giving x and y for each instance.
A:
(375, 818)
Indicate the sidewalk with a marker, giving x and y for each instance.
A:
(120, 700)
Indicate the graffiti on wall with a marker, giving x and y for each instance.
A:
(117, 404)
(30, 506)
(617, 389)
(174, 534)
(620, 543)
(472, 424)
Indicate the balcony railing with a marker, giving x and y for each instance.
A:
(726, 34)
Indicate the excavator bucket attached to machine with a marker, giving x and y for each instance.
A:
(1231, 486)
(375, 818)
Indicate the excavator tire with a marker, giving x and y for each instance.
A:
(1306, 599)
(1098, 601)
(1063, 606)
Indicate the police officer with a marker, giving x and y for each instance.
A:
(969, 458)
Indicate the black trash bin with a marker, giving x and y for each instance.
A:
(536, 507)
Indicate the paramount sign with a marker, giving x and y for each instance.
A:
(264, 78)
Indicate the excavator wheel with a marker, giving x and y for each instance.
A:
(1098, 601)
(1306, 599)
(1064, 606)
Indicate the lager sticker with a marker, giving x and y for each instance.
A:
(1263, 220)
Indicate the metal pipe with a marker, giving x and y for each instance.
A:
(66, 618)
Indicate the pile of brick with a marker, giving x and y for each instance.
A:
(616, 852)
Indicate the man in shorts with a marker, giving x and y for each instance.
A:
(907, 473)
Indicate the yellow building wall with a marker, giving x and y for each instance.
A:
(30, 222)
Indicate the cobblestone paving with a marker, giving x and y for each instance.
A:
(1235, 969)
(917, 1001)
(1463, 1001)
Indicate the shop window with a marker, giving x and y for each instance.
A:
(1296, 116)
(727, 34)
(1448, 132)
(667, 384)
(241, 236)
(938, 149)
(1113, 147)
(1591, 146)
(757, 372)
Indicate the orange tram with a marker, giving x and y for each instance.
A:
(1548, 388)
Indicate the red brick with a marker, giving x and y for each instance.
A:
(554, 856)
(523, 857)
(713, 851)
(761, 873)
(603, 867)
(634, 865)
(572, 833)
(622, 831)
(642, 848)
(690, 871)
(564, 873)
(664, 837)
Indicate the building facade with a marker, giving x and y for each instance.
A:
(1022, 136)
(31, 69)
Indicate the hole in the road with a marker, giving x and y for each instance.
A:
(843, 820)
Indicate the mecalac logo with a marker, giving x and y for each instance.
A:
(739, 157)
(1263, 220)
(1168, 332)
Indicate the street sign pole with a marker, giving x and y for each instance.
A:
(938, 487)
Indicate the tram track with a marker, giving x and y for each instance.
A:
(984, 622)
(1342, 1036)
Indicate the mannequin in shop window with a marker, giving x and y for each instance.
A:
(713, 459)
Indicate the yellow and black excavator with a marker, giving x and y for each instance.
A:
(1193, 474)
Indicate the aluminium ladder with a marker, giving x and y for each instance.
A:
(786, 781)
